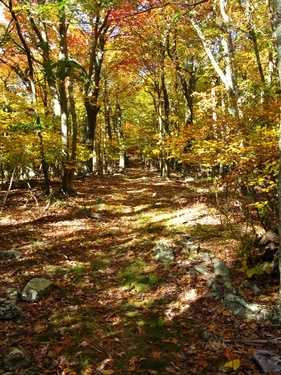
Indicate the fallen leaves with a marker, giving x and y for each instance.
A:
(134, 361)
(39, 328)
(84, 344)
(156, 354)
(93, 321)
(172, 340)
(233, 364)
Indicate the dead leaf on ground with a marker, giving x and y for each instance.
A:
(39, 328)
(156, 354)
(107, 372)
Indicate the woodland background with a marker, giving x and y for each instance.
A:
(188, 88)
(192, 88)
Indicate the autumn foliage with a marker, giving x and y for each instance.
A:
(189, 88)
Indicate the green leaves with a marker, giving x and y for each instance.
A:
(258, 269)
(69, 68)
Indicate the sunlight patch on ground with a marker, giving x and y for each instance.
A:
(182, 304)
(66, 228)
(127, 209)
(195, 214)
(8, 220)
(136, 191)
(141, 207)
(68, 225)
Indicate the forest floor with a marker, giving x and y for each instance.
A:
(114, 308)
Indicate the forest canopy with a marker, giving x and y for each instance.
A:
(188, 87)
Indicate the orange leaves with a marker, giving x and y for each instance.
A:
(212, 329)
(203, 363)
(133, 363)
(65, 344)
(39, 328)
(173, 341)
(156, 354)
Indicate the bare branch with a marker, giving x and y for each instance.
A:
(161, 6)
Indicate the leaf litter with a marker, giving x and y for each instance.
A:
(115, 310)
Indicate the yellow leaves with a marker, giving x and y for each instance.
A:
(107, 372)
(234, 365)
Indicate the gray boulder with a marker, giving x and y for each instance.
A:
(189, 245)
(36, 289)
(163, 252)
(220, 269)
(268, 361)
(15, 359)
(8, 304)
(10, 254)
(245, 310)
(203, 269)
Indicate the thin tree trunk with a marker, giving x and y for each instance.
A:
(119, 130)
(74, 131)
(92, 87)
(253, 34)
(32, 86)
(45, 166)
(228, 77)
(9, 188)
(278, 35)
(67, 168)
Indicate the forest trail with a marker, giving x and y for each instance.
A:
(115, 309)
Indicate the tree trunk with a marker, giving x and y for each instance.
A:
(92, 110)
(92, 86)
(67, 180)
(228, 77)
(187, 84)
(45, 166)
(253, 34)
(278, 35)
(120, 134)
(33, 93)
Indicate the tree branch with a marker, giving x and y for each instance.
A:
(186, 4)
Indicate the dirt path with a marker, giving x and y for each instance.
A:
(115, 310)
